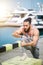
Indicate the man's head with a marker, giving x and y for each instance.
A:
(26, 24)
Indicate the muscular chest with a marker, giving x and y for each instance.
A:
(30, 33)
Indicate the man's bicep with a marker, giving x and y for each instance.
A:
(18, 31)
(36, 37)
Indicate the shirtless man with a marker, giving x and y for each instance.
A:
(29, 30)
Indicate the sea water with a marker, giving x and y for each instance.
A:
(6, 35)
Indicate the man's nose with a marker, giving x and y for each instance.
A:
(25, 26)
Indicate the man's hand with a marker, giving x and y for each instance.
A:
(23, 43)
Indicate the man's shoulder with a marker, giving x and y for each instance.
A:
(20, 29)
(36, 31)
(34, 27)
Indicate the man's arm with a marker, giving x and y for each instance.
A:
(17, 33)
(34, 41)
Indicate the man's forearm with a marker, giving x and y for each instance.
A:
(28, 44)
(17, 35)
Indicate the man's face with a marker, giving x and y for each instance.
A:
(26, 26)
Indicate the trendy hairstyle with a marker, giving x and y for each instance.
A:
(28, 20)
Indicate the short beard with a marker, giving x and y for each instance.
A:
(27, 30)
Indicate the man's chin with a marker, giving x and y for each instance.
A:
(25, 30)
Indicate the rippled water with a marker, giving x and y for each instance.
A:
(6, 35)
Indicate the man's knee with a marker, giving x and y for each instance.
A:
(27, 47)
(37, 53)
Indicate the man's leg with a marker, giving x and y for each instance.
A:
(35, 52)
